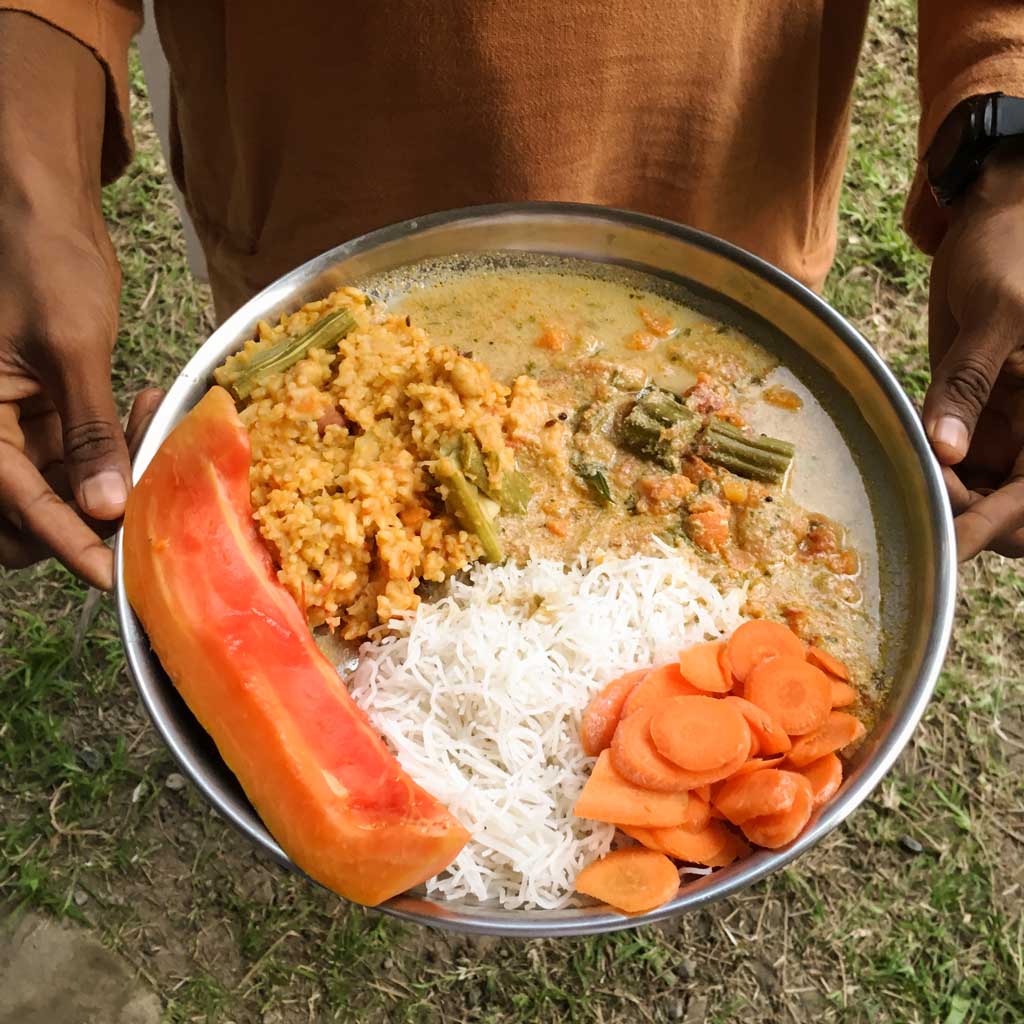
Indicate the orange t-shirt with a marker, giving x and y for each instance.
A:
(296, 126)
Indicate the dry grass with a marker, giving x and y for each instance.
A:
(910, 913)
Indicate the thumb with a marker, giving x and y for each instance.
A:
(95, 453)
(961, 384)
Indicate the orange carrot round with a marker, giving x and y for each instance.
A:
(694, 847)
(756, 794)
(609, 797)
(735, 848)
(644, 836)
(698, 813)
(825, 776)
(633, 880)
(604, 710)
(775, 830)
(843, 694)
(699, 733)
(760, 640)
(660, 683)
(729, 768)
(770, 736)
(828, 663)
(756, 764)
(700, 665)
(797, 695)
(839, 731)
(725, 664)
(636, 758)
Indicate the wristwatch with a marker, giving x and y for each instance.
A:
(971, 131)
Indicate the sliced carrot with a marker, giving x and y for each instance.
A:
(760, 640)
(756, 764)
(609, 797)
(843, 694)
(636, 758)
(828, 663)
(725, 664)
(643, 836)
(729, 768)
(633, 880)
(661, 682)
(755, 794)
(699, 733)
(604, 710)
(775, 830)
(698, 813)
(700, 665)
(825, 776)
(704, 792)
(695, 847)
(797, 695)
(735, 848)
(839, 730)
(771, 737)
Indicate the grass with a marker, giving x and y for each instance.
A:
(909, 913)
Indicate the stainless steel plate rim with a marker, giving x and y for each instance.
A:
(148, 677)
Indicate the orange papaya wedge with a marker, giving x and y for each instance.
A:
(241, 654)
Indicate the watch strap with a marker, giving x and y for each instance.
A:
(985, 121)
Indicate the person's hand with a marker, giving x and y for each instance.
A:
(974, 409)
(64, 463)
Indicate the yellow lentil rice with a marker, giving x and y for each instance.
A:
(342, 443)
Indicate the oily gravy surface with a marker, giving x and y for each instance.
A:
(586, 340)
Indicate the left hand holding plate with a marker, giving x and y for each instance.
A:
(974, 409)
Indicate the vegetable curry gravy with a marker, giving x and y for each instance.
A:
(639, 422)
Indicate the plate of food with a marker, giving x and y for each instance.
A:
(538, 569)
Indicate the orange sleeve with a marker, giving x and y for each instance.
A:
(965, 48)
(106, 27)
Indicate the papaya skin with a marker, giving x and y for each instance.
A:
(241, 654)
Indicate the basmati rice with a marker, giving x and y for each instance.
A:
(480, 695)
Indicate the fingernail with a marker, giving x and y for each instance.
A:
(104, 494)
(951, 434)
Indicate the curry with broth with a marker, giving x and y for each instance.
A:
(640, 423)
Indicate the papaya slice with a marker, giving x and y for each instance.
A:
(239, 651)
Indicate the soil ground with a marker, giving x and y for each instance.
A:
(911, 912)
